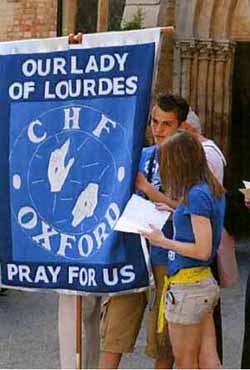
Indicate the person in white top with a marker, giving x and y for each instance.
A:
(214, 155)
(216, 162)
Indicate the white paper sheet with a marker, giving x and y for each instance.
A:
(246, 190)
(138, 214)
(246, 184)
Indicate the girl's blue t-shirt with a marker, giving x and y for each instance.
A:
(203, 203)
(159, 256)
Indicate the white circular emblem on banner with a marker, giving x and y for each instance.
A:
(69, 171)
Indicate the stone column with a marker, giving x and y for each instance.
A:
(166, 17)
(222, 93)
(228, 97)
(203, 77)
(69, 16)
(186, 52)
(204, 51)
(210, 93)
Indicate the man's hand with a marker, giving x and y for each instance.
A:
(163, 207)
(75, 39)
(141, 183)
(152, 193)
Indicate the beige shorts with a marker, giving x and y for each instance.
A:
(122, 319)
(188, 304)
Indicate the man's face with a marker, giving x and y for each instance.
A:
(162, 124)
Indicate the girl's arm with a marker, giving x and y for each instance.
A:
(202, 247)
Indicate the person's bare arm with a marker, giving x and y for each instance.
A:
(202, 247)
(247, 201)
(152, 193)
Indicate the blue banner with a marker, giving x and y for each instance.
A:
(72, 126)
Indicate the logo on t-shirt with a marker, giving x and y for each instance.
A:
(171, 255)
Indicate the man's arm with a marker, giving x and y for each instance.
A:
(152, 193)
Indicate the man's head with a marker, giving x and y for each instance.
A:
(168, 112)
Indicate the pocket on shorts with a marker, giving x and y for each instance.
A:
(171, 299)
(203, 304)
(211, 294)
(173, 303)
(206, 301)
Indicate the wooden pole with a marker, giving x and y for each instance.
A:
(78, 332)
(77, 39)
(167, 29)
(102, 16)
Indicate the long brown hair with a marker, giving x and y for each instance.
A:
(183, 164)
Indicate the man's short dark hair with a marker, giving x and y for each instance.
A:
(173, 103)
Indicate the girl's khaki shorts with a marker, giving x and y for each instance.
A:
(187, 304)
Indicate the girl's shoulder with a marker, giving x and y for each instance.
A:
(201, 188)
(202, 192)
(202, 202)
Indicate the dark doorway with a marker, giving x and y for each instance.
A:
(86, 17)
(239, 159)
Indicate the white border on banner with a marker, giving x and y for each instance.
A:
(101, 39)
(90, 40)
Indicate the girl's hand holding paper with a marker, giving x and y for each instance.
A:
(154, 235)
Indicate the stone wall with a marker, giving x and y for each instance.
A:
(149, 8)
(157, 13)
(23, 19)
(206, 36)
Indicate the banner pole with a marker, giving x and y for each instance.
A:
(78, 332)
(77, 39)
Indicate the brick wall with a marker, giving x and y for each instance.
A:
(23, 19)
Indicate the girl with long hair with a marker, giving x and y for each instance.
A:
(198, 222)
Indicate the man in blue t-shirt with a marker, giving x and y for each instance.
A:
(122, 316)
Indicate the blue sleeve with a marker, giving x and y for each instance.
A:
(199, 203)
(146, 154)
(141, 167)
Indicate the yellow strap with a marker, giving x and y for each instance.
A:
(183, 276)
(161, 315)
(191, 275)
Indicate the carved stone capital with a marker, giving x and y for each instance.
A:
(205, 49)
(187, 48)
(224, 50)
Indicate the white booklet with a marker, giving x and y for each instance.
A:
(138, 214)
(246, 190)
(246, 183)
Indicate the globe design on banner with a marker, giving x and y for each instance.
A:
(65, 195)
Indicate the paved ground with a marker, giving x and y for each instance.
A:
(28, 327)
